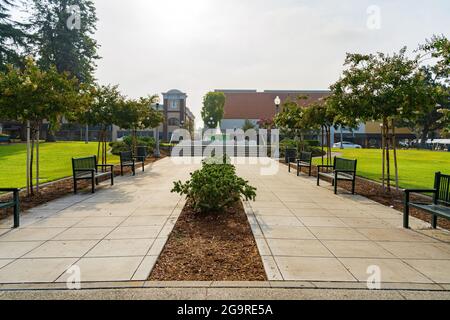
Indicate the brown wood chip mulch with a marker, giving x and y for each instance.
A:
(210, 247)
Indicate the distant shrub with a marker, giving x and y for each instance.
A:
(125, 145)
(215, 187)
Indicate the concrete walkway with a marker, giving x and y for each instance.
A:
(114, 235)
(306, 233)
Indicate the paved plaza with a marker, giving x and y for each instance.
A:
(306, 235)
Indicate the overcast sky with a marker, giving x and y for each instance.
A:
(151, 46)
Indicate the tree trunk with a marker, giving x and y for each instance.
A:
(388, 157)
(424, 137)
(38, 136)
(394, 145)
(323, 147)
(31, 161)
(383, 175)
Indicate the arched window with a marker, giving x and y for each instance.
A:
(174, 122)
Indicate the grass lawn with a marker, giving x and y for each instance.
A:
(416, 167)
(55, 161)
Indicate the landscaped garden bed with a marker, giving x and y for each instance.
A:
(210, 247)
(212, 240)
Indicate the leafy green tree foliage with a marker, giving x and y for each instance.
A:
(434, 88)
(12, 36)
(215, 187)
(33, 95)
(101, 110)
(290, 120)
(213, 109)
(64, 36)
(137, 115)
(248, 125)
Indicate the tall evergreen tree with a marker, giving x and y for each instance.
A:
(64, 30)
(12, 37)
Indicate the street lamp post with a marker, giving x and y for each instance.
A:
(157, 152)
(277, 102)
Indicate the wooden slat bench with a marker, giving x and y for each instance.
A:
(342, 169)
(87, 169)
(14, 203)
(290, 156)
(304, 161)
(440, 207)
(127, 160)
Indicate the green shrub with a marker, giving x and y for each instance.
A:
(215, 187)
(125, 145)
(118, 147)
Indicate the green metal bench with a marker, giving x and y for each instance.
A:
(440, 207)
(87, 169)
(304, 161)
(290, 156)
(342, 169)
(14, 203)
(127, 160)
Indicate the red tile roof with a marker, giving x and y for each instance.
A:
(250, 104)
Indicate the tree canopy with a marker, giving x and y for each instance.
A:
(213, 109)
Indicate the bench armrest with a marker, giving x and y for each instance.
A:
(111, 166)
(9, 189)
(84, 170)
(408, 191)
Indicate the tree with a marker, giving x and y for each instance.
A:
(101, 110)
(248, 125)
(434, 89)
(290, 120)
(379, 87)
(137, 115)
(213, 109)
(63, 31)
(12, 36)
(33, 96)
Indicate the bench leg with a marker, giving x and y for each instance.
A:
(299, 169)
(75, 187)
(93, 181)
(143, 166)
(310, 170)
(112, 178)
(133, 168)
(434, 221)
(335, 186)
(318, 179)
(353, 186)
(406, 211)
(121, 170)
(289, 166)
(16, 210)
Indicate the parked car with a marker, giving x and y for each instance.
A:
(347, 145)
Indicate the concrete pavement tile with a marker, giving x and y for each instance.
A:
(106, 269)
(62, 249)
(96, 233)
(437, 270)
(145, 232)
(34, 270)
(14, 250)
(32, 234)
(332, 233)
(298, 248)
(393, 234)
(100, 222)
(146, 267)
(121, 248)
(418, 250)
(271, 268)
(312, 269)
(357, 249)
(322, 222)
(392, 270)
(279, 221)
(287, 232)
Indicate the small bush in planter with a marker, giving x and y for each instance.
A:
(215, 187)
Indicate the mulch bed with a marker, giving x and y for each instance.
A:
(374, 191)
(59, 189)
(210, 247)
